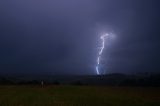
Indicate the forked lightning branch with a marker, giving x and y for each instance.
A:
(100, 52)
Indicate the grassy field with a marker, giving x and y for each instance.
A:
(78, 96)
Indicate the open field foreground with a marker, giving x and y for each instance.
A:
(78, 96)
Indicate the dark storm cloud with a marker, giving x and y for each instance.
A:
(138, 44)
(61, 36)
(47, 36)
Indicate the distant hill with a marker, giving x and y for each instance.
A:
(115, 79)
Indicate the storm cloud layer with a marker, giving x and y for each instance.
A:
(62, 36)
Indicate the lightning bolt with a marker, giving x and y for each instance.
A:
(103, 37)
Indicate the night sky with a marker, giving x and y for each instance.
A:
(62, 36)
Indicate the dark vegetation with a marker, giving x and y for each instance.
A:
(68, 95)
(105, 80)
(106, 90)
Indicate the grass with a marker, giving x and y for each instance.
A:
(78, 96)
